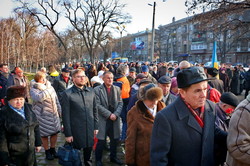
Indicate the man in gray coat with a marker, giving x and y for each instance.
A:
(183, 132)
(79, 115)
(109, 104)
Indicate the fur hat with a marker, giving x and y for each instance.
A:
(154, 93)
(15, 92)
(229, 98)
(212, 71)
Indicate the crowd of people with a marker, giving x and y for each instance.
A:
(171, 114)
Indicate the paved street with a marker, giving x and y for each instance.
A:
(43, 162)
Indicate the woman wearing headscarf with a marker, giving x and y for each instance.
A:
(47, 109)
(140, 122)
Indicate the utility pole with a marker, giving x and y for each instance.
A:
(153, 35)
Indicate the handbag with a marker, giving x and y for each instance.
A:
(68, 156)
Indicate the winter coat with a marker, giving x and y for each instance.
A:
(3, 85)
(238, 140)
(79, 115)
(220, 148)
(18, 136)
(60, 85)
(235, 83)
(104, 112)
(46, 107)
(217, 84)
(140, 123)
(171, 98)
(224, 77)
(178, 139)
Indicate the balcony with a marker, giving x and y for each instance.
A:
(200, 39)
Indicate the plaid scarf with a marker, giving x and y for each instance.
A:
(198, 114)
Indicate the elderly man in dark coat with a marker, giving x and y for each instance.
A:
(183, 132)
(164, 83)
(62, 82)
(109, 104)
(79, 115)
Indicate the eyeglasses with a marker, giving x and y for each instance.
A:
(80, 76)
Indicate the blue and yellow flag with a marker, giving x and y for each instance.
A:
(215, 63)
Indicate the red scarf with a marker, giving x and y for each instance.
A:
(199, 117)
(66, 79)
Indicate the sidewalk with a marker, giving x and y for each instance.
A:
(41, 161)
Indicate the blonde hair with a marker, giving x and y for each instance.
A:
(39, 75)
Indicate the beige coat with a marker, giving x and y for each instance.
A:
(238, 141)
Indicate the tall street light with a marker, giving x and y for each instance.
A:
(121, 28)
(153, 32)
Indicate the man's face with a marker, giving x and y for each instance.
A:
(79, 79)
(5, 69)
(19, 73)
(195, 95)
(132, 74)
(165, 88)
(108, 79)
(145, 73)
(65, 74)
(17, 102)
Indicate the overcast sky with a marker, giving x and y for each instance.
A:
(140, 11)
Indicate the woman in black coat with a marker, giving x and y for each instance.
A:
(19, 130)
(235, 83)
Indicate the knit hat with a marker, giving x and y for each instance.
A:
(229, 98)
(15, 92)
(144, 68)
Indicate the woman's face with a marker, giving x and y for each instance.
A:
(151, 103)
(17, 102)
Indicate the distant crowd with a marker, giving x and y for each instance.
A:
(171, 113)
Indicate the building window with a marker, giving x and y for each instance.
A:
(248, 49)
(238, 46)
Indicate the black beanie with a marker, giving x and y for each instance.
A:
(15, 92)
(229, 98)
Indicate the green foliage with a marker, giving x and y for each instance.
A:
(30, 76)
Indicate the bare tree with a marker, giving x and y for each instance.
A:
(227, 20)
(92, 18)
(47, 12)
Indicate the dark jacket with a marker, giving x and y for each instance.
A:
(178, 139)
(3, 85)
(235, 83)
(60, 85)
(217, 84)
(140, 123)
(18, 137)
(79, 115)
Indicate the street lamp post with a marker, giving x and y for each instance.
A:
(121, 28)
(153, 34)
